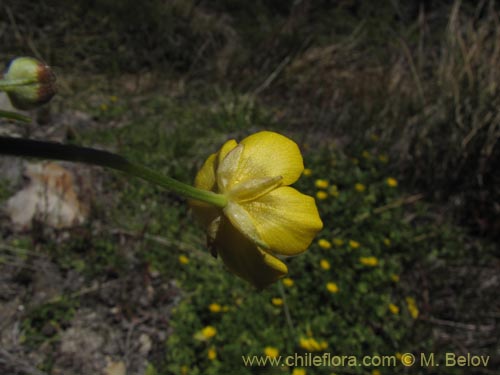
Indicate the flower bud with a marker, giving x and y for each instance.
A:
(32, 83)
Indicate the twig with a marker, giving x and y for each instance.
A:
(273, 75)
(18, 364)
(394, 204)
(467, 326)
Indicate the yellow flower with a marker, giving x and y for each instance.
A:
(366, 154)
(321, 195)
(376, 372)
(368, 261)
(374, 137)
(412, 307)
(324, 244)
(395, 278)
(332, 287)
(311, 345)
(383, 158)
(307, 172)
(353, 244)
(212, 353)
(387, 242)
(183, 259)
(393, 309)
(334, 191)
(103, 107)
(215, 307)
(324, 264)
(338, 242)
(113, 98)
(391, 182)
(359, 187)
(287, 282)
(208, 332)
(264, 217)
(355, 161)
(277, 301)
(184, 370)
(225, 308)
(271, 351)
(298, 371)
(321, 184)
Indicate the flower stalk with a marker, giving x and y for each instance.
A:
(57, 151)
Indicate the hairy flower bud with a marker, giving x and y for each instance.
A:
(30, 82)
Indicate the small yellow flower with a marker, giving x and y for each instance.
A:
(395, 278)
(387, 242)
(355, 161)
(184, 370)
(277, 301)
(383, 158)
(264, 217)
(332, 287)
(321, 184)
(368, 261)
(271, 351)
(208, 332)
(393, 309)
(298, 371)
(104, 107)
(287, 282)
(212, 353)
(183, 259)
(324, 244)
(391, 182)
(338, 241)
(321, 195)
(113, 98)
(366, 154)
(376, 372)
(359, 187)
(324, 264)
(333, 191)
(307, 172)
(354, 244)
(215, 307)
(374, 137)
(412, 307)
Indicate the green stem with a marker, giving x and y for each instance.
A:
(14, 116)
(7, 85)
(58, 151)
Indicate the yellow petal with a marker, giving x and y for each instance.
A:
(242, 257)
(285, 219)
(267, 154)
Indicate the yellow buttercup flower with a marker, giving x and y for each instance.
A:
(412, 307)
(215, 307)
(391, 182)
(354, 244)
(393, 308)
(338, 241)
(321, 184)
(383, 158)
(359, 187)
(184, 370)
(288, 282)
(324, 244)
(263, 217)
(299, 371)
(387, 242)
(183, 259)
(321, 195)
(277, 301)
(324, 264)
(395, 278)
(212, 353)
(271, 351)
(368, 261)
(365, 154)
(307, 172)
(206, 333)
(312, 345)
(332, 287)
